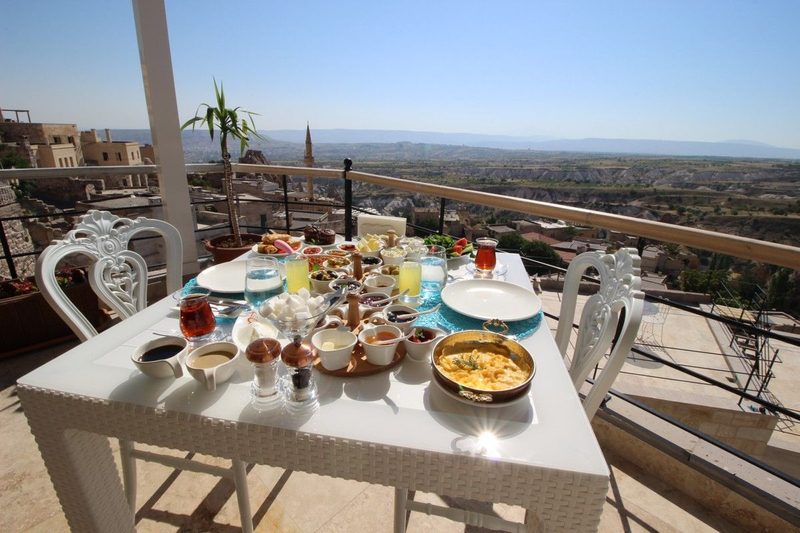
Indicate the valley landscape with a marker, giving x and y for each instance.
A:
(751, 197)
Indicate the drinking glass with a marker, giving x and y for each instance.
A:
(197, 320)
(434, 269)
(486, 258)
(410, 278)
(297, 273)
(262, 280)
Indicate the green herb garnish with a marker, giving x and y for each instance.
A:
(470, 362)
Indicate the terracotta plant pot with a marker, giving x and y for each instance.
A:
(223, 255)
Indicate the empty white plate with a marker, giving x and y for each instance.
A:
(489, 298)
(224, 278)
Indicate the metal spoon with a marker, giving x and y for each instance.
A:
(394, 341)
(407, 316)
(390, 299)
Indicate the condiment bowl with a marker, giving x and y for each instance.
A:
(162, 368)
(421, 351)
(369, 264)
(324, 286)
(380, 283)
(338, 356)
(353, 285)
(214, 375)
(393, 256)
(380, 355)
(405, 327)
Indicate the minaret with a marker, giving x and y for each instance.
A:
(309, 162)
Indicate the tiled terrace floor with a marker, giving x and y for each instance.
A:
(169, 500)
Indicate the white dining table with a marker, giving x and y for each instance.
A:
(394, 428)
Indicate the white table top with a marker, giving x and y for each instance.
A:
(400, 407)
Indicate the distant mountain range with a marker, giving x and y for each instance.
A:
(734, 148)
(435, 145)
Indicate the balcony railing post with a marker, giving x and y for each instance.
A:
(12, 270)
(442, 202)
(286, 201)
(348, 200)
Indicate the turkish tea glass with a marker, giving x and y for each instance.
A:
(486, 257)
(197, 320)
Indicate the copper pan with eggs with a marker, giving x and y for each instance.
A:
(483, 367)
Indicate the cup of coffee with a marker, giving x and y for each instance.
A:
(160, 358)
(213, 363)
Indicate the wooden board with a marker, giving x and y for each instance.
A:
(359, 366)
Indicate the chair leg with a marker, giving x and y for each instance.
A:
(243, 495)
(128, 472)
(400, 499)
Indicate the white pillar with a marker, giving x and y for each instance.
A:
(162, 107)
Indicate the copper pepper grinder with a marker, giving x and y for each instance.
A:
(300, 389)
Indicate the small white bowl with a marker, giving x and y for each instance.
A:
(210, 377)
(323, 287)
(393, 256)
(339, 357)
(376, 354)
(421, 351)
(369, 268)
(380, 283)
(334, 285)
(405, 327)
(162, 368)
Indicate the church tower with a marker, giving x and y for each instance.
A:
(309, 162)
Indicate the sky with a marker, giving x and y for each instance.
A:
(694, 71)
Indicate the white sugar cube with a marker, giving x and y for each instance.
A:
(283, 296)
(304, 294)
(272, 316)
(278, 305)
(302, 315)
(295, 303)
(286, 314)
(318, 301)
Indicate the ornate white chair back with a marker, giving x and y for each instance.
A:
(379, 224)
(619, 293)
(117, 275)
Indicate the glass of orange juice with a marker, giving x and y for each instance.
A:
(410, 277)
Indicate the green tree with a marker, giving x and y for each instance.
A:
(511, 241)
(226, 121)
(571, 232)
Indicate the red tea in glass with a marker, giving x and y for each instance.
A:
(486, 258)
(197, 319)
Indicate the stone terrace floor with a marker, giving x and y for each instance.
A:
(169, 500)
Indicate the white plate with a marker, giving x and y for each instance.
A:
(245, 330)
(278, 256)
(458, 398)
(224, 278)
(337, 241)
(490, 298)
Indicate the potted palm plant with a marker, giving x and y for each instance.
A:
(230, 123)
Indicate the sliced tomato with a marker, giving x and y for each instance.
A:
(461, 242)
(457, 249)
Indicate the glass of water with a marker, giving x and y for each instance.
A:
(434, 270)
(262, 281)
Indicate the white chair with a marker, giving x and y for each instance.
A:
(379, 225)
(119, 277)
(619, 294)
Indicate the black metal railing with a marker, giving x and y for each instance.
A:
(287, 204)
